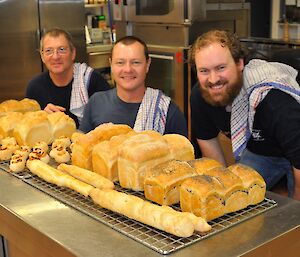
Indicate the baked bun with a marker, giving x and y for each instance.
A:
(162, 182)
(60, 154)
(180, 147)
(17, 162)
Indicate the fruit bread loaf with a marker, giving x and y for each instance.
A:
(137, 154)
(83, 146)
(253, 182)
(203, 164)
(162, 182)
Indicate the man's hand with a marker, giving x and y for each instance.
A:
(50, 108)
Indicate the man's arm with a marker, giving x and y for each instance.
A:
(297, 184)
(211, 148)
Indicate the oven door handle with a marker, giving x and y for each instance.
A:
(162, 56)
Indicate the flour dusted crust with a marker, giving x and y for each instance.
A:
(162, 182)
(83, 146)
(160, 217)
(61, 124)
(180, 147)
(252, 180)
(105, 156)
(137, 154)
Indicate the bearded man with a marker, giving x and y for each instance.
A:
(256, 105)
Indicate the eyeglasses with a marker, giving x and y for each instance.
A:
(50, 51)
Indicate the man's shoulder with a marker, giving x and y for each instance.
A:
(39, 80)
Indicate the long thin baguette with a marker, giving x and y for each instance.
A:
(161, 217)
(57, 177)
(87, 176)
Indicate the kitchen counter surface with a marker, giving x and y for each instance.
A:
(39, 225)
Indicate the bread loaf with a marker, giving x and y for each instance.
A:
(34, 127)
(8, 123)
(160, 217)
(136, 155)
(105, 156)
(162, 182)
(86, 176)
(204, 196)
(61, 124)
(203, 164)
(25, 105)
(83, 146)
(180, 147)
(59, 178)
(235, 194)
(253, 182)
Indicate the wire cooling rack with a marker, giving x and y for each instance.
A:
(157, 240)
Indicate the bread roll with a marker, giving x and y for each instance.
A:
(61, 124)
(57, 177)
(17, 162)
(252, 180)
(60, 154)
(203, 164)
(162, 182)
(8, 123)
(160, 217)
(180, 147)
(105, 156)
(87, 176)
(137, 154)
(82, 148)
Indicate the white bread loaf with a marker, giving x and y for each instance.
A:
(180, 147)
(105, 156)
(83, 146)
(137, 154)
(57, 177)
(8, 123)
(160, 217)
(87, 176)
(25, 105)
(61, 124)
(252, 180)
(162, 182)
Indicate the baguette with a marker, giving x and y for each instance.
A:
(87, 176)
(160, 217)
(57, 177)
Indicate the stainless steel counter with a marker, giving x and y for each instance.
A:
(36, 224)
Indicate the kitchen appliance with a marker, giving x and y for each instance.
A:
(21, 25)
(176, 11)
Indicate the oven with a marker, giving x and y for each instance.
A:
(160, 11)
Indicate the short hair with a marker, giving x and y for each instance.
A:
(128, 40)
(225, 38)
(56, 32)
